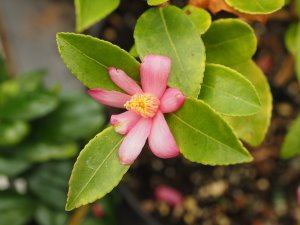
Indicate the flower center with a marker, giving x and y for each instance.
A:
(145, 104)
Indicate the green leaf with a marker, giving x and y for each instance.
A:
(32, 81)
(88, 12)
(133, 52)
(27, 106)
(157, 32)
(15, 209)
(12, 167)
(252, 129)
(291, 38)
(89, 58)
(48, 216)
(49, 182)
(229, 42)
(256, 6)
(3, 71)
(291, 144)
(228, 92)
(12, 132)
(204, 137)
(42, 152)
(77, 116)
(156, 2)
(298, 7)
(97, 170)
(200, 17)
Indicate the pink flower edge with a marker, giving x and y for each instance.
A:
(144, 118)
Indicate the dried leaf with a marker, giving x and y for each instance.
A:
(216, 6)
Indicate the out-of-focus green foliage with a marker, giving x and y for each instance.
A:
(3, 71)
(88, 12)
(37, 126)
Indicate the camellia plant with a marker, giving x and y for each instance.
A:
(189, 85)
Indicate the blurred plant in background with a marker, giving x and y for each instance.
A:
(291, 145)
(41, 131)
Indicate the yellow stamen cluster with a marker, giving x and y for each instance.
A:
(145, 104)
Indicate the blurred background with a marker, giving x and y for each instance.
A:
(46, 118)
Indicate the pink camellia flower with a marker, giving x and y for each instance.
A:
(144, 118)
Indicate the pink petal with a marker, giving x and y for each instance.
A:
(169, 195)
(161, 140)
(124, 122)
(134, 141)
(122, 80)
(171, 101)
(110, 98)
(154, 74)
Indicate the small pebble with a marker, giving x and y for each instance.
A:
(110, 34)
(215, 189)
(163, 209)
(157, 165)
(189, 218)
(284, 109)
(170, 172)
(148, 205)
(263, 184)
(190, 205)
(178, 211)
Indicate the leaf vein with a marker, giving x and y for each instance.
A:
(197, 130)
(83, 54)
(97, 169)
(231, 95)
(170, 39)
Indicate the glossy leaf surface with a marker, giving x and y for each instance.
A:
(291, 145)
(229, 42)
(156, 2)
(89, 12)
(200, 17)
(252, 129)
(228, 92)
(168, 31)
(97, 169)
(89, 58)
(256, 6)
(204, 137)
(291, 38)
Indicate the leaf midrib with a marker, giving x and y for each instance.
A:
(231, 95)
(84, 54)
(214, 45)
(96, 171)
(170, 39)
(209, 137)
